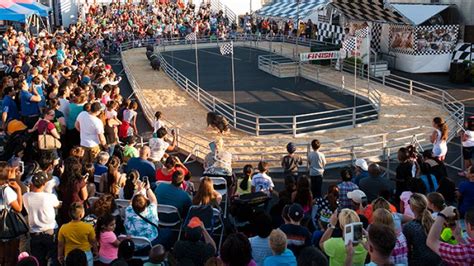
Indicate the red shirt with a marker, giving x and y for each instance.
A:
(44, 125)
(162, 177)
(461, 254)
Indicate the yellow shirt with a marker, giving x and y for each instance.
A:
(76, 235)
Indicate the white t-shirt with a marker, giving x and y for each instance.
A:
(263, 183)
(158, 148)
(91, 127)
(157, 124)
(50, 186)
(40, 207)
(10, 196)
(64, 107)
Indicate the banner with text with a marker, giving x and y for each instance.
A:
(319, 56)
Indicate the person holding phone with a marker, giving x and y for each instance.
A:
(335, 247)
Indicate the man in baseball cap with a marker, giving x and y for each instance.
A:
(298, 236)
(361, 170)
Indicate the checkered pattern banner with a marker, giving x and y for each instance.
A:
(463, 52)
(328, 31)
(369, 10)
(349, 45)
(436, 39)
(289, 8)
(191, 37)
(226, 48)
(376, 36)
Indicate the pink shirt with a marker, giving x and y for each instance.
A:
(107, 251)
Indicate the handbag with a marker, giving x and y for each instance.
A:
(12, 223)
(48, 142)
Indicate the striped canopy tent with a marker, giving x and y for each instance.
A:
(14, 12)
(33, 5)
(289, 8)
(369, 10)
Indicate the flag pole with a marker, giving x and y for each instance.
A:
(233, 86)
(197, 61)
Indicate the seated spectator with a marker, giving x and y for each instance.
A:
(219, 161)
(159, 146)
(323, 208)
(428, 178)
(334, 247)
(345, 187)
(374, 183)
(76, 234)
(381, 203)
(141, 219)
(415, 185)
(126, 250)
(158, 256)
(77, 257)
(105, 204)
(172, 164)
(142, 165)
(112, 181)
(192, 249)
(381, 242)
(206, 194)
(437, 167)
(291, 161)
(303, 195)
(298, 236)
(448, 189)
(312, 256)
(466, 192)
(236, 250)
(100, 166)
(281, 255)
(244, 185)
(133, 186)
(172, 194)
(360, 171)
(460, 254)
(400, 251)
(416, 233)
(262, 182)
(436, 204)
(259, 243)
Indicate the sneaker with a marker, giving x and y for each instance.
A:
(462, 173)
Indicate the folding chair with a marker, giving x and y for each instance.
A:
(218, 183)
(122, 204)
(139, 241)
(212, 221)
(169, 217)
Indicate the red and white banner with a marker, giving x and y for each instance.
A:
(319, 56)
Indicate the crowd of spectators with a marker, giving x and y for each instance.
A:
(91, 195)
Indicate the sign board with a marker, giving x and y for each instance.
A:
(319, 56)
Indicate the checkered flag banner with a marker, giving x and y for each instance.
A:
(191, 37)
(349, 44)
(227, 48)
(362, 33)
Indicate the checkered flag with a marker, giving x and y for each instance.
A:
(191, 37)
(362, 33)
(226, 48)
(349, 45)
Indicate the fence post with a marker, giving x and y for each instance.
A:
(257, 126)
(388, 164)
(343, 84)
(198, 93)
(187, 90)
(294, 126)
(383, 79)
(353, 157)
(354, 116)
(384, 145)
(411, 87)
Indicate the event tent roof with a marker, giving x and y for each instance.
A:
(289, 8)
(418, 13)
(369, 10)
(14, 12)
(33, 5)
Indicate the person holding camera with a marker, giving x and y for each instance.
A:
(461, 253)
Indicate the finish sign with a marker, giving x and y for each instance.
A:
(319, 56)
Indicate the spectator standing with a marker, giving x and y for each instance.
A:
(360, 171)
(439, 138)
(236, 250)
(399, 253)
(259, 243)
(467, 139)
(345, 187)
(381, 242)
(40, 206)
(404, 172)
(303, 195)
(374, 183)
(317, 162)
(291, 161)
(281, 254)
(323, 208)
(460, 254)
(416, 233)
(466, 193)
(262, 182)
(159, 146)
(108, 242)
(12, 198)
(100, 166)
(298, 236)
(76, 234)
(206, 194)
(9, 107)
(73, 187)
(91, 131)
(29, 99)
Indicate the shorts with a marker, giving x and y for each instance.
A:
(468, 152)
